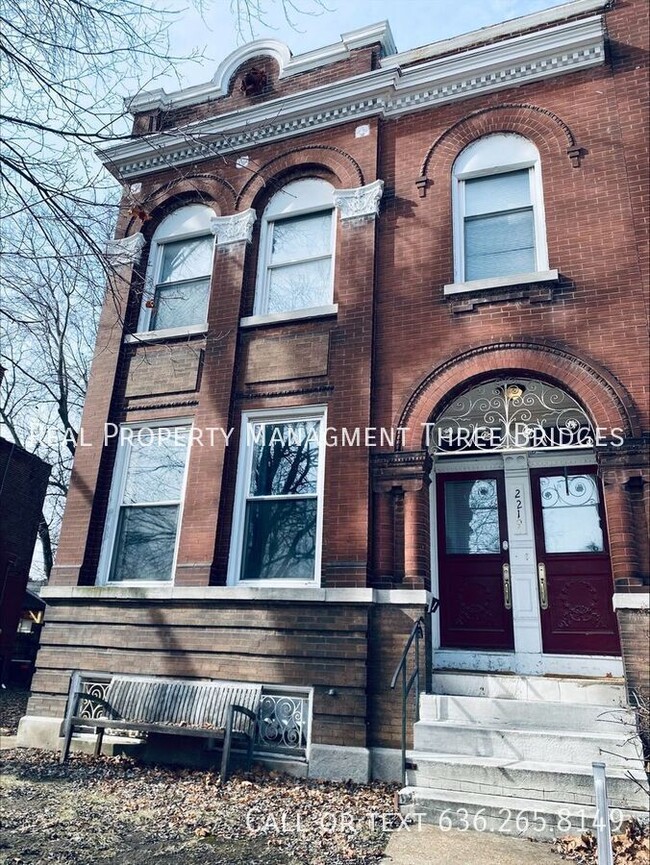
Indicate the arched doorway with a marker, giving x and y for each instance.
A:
(520, 552)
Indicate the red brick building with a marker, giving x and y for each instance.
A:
(442, 252)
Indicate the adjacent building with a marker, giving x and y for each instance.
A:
(23, 484)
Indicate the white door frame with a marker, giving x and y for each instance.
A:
(528, 656)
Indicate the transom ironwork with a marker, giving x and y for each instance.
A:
(511, 414)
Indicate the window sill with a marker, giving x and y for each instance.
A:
(134, 584)
(170, 592)
(515, 279)
(168, 333)
(288, 317)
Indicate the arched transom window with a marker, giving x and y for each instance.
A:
(511, 414)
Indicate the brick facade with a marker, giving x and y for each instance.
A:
(393, 355)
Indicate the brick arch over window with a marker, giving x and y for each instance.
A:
(544, 128)
(346, 171)
(606, 401)
(195, 189)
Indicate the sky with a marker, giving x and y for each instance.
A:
(212, 32)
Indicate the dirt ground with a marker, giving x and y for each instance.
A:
(13, 705)
(113, 810)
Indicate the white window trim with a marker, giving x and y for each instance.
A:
(264, 267)
(244, 468)
(502, 281)
(166, 333)
(537, 201)
(118, 482)
(294, 315)
(160, 238)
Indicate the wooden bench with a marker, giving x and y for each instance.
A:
(207, 708)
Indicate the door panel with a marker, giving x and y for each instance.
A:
(571, 542)
(471, 533)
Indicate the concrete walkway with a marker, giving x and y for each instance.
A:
(432, 846)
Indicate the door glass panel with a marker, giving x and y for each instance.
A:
(471, 517)
(570, 514)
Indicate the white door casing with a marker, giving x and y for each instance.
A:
(528, 656)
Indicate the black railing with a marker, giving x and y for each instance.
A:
(421, 630)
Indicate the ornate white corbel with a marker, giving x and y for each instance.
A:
(232, 229)
(359, 202)
(126, 250)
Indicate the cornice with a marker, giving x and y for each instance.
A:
(386, 92)
(288, 66)
(496, 32)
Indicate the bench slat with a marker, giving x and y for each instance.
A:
(201, 703)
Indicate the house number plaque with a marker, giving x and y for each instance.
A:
(519, 512)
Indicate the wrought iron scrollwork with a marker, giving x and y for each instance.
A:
(88, 709)
(504, 414)
(282, 723)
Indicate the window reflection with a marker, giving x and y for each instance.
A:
(471, 517)
(570, 514)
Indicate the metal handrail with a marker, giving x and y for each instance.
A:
(420, 630)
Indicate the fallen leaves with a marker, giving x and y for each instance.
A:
(631, 847)
(116, 804)
(13, 704)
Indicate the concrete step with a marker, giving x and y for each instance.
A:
(526, 779)
(499, 711)
(530, 818)
(563, 746)
(510, 686)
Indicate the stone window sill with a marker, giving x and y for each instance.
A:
(147, 336)
(513, 280)
(289, 317)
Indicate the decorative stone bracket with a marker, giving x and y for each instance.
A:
(407, 470)
(360, 202)
(632, 454)
(235, 228)
(126, 250)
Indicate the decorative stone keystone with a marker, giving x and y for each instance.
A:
(232, 229)
(126, 250)
(359, 202)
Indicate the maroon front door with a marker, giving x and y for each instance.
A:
(475, 591)
(574, 572)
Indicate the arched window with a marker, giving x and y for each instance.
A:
(505, 414)
(295, 269)
(499, 227)
(177, 284)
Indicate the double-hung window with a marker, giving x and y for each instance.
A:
(142, 525)
(296, 249)
(278, 513)
(177, 285)
(499, 228)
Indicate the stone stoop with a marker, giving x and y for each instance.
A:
(513, 754)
